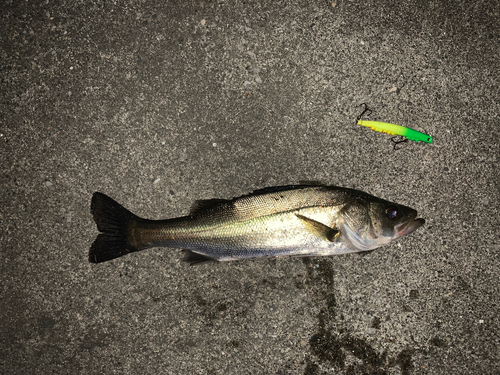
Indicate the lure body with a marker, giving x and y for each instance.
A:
(394, 129)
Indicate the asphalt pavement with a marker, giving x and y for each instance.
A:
(161, 103)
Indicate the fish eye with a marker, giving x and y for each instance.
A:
(392, 213)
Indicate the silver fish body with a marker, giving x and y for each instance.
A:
(300, 220)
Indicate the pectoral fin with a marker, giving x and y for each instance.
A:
(320, 230)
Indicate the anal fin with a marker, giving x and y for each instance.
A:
(320, 230)
(195, 259)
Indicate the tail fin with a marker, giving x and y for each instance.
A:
(113, 221)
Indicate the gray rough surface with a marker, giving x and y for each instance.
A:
(159, 103)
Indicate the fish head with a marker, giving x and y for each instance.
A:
(371, 222)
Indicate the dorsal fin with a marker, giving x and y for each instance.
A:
(207, 204)
(276, 189)
(311, 183)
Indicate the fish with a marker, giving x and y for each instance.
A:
(294, 220)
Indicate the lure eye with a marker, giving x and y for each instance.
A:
(392, 213)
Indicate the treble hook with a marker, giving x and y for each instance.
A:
(366, 110)
(396, 143)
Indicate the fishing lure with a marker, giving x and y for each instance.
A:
(393, 129)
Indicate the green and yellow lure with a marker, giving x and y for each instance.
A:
(394, 129)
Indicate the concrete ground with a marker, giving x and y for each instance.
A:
(161, 103)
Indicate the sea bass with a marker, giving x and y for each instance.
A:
(301, 220)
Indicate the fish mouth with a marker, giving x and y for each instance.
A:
(409, 226)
